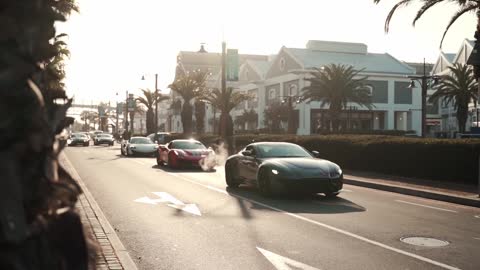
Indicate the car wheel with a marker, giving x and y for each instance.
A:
(331, 194)
(172, 162)
(230, 176)
(85, 144)
(159, 162)
(264, 183)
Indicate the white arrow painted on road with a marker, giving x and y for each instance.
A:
(172, 202)
(283, 263)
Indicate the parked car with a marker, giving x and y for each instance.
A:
(185, 153)
(78, 138)
(138, 146)
(94, 134)
(159, 137)
(276, 166)
(103, 138)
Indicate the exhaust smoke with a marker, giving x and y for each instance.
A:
(217, 159)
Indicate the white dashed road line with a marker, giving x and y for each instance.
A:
(426, 206)
(358, 237)
(139, 162)
(346, 190)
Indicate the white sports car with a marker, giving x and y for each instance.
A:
(139, 146)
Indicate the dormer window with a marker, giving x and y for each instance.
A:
(282, 63)
(271, 94)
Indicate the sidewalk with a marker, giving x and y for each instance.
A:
(112, 254)
(436, 190)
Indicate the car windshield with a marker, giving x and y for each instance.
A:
(78, 136)
(141, 141)
(187, 145)
(281, 150)
(105, 135)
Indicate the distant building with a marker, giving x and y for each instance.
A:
(446, 113)
(188, 61)
(270, 78)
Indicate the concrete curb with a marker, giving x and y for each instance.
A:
(415, 192)
(120, 250)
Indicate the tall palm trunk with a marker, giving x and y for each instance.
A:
(186, 116)
(462, 115)
(132, 117)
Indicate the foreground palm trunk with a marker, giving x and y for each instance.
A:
(39, 227)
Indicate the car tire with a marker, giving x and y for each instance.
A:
(159, 162)
(170, 164)
(230, 176)
(85, 144)
(331, 194)
(264, 183)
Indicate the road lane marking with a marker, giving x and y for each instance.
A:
(139, 162)
(476, 238)
(332, 228)
(477, 216)
(346, 190)
(284, 263)
(427, 206)
(172, 202)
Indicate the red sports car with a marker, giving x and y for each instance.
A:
(186, 153)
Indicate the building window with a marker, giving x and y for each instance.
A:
(282, 64)
(271, 94)
(293, 89)
(369, 89)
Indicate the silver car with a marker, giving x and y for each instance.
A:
(138, 146)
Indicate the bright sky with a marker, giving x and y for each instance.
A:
(114, 42)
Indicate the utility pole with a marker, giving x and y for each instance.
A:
(126, 111)
(116, 112)
(156, 103)
(223, 126)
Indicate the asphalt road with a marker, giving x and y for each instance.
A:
(189, 220)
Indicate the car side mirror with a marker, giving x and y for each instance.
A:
(316, 154)
(247, 153)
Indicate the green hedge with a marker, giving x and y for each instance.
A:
(436, 159)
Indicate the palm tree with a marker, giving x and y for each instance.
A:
(199, 116)
(85, 115)
(458, 88)
(465, 7)
(336, 85)
(189, 86)
(225, 101)
(149, 100)
(274, 115)
(138, 109)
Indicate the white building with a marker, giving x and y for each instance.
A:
(270, 78)
(396, 107)
(446, 113)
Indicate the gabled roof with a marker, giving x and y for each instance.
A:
(450, 57)
(471, 42)
(371, 62)
(261, 67)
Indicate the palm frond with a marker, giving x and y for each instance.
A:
(464, 9)
(424, 8)
(401, 4)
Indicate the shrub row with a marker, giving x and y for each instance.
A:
(437, 159)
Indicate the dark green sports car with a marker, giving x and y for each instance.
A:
(276, 166)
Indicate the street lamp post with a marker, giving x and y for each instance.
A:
(290, 99)
(424, 81)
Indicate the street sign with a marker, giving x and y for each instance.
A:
(131, 103)
(120, 107)
(232, 65)
(101, 111)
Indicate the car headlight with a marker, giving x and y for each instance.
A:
(336, 173)
(274, 171)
